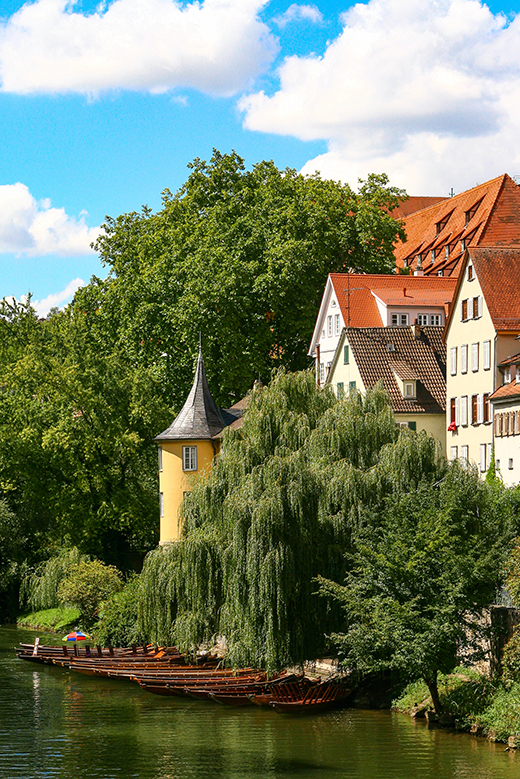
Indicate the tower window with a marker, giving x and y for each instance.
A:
(189, 458)
(161, 504)
(159, 455)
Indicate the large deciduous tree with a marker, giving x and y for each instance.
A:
(240, 256)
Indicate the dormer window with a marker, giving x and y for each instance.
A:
(462, 244)
(441, 224)
(432, 255)
(507, 375)
(446, 251)
(472, 211)
(409, 391)
(518, 374)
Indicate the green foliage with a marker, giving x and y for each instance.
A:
(503, 715)
(40, 589)
(11, 556)
(87, 585)
(278, 509)
(57, 620)
(425, 564)
(511, 658)
(117, 623)
(513, 573)
(241, 256)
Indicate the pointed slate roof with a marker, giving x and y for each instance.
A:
(199, 418)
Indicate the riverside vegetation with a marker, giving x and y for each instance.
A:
(322, 528)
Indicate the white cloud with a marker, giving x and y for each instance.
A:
(427, 92)
(295, 13)
(216, 46)
(32, 227)
(57, 299)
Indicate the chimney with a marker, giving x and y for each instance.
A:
(404, 292)
(416, 331)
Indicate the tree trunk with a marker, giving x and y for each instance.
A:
(434, 692)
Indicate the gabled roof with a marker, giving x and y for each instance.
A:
(422, 357)
(486, 215)
(507, 391)
(355, 292)
(498, 272)
(199, 418)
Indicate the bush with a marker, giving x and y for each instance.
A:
(87, 585)
(40, 589)
(511, 657)
(117, 624)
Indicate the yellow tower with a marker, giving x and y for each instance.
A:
(187, 448)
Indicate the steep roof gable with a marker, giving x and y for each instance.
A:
(498, 272)
(486, 215)
(416, 353)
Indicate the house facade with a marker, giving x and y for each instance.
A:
(411, 364)
(355, 300)
(505, 402)
(480, 333)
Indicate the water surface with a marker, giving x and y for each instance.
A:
(55, 723)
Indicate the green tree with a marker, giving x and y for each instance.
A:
(424, 566)
(279, 508)
(240, 256)
(87, 585)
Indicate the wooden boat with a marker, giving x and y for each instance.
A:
(319, 697)
(229, 699)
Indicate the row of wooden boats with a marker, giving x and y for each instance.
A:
(166, 671)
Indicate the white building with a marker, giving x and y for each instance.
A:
(505, 402)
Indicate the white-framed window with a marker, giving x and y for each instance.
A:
(474, 357)
(453, 452)
(422, 319)
(464, 410)
(322, 372)
(497, 464)
(395, 319)
(336, 324)
(161, 504)
(518, 374)
(409, 389)
(329, 326)
(403, 319)
(453, 360)
(476, 308)
(510, 465)
(507, 375)
(464, 453)
(486, 355)
(464, 310)
(435, 319)
(483, 463)
(480, 409)
(464, 358)
(159, 457)
(189, 458)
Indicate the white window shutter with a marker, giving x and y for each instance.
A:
(482, 457)
(464, 410)
(480, 305)
(457, 413)
(480, 409)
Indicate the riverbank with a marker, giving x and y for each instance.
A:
(472, 702)
(57, 620)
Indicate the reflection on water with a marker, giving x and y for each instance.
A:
(56, 724)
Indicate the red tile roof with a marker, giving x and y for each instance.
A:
(498, 272)
(506, 391)
(486, 215)
(358, 305)
(413, 204)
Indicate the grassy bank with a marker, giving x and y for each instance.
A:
(54, 620)
(485, 706)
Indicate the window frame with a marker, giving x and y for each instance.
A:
(189, 458)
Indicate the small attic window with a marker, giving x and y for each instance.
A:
(409, 389)
(470, 213)
(470, 273)
(441, 224)
(333, 304)
(390, 348)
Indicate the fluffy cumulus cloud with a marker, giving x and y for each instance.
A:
(32, 227)
(427, 92)
(57, 299)
(216, 46)
(296, 13)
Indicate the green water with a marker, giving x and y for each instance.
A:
(56, 724)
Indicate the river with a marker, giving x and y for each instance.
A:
(57, 724)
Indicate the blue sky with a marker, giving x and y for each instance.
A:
(103, 105)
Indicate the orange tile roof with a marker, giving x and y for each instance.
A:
(498, 272)
(413, 204)
(506, 391)
(486, 215)
(358, 305)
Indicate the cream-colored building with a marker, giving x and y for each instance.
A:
(375, 300)
(480, 333)
(188, 448)
(409, 361)
(505, 402)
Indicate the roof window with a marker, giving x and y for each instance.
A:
(470, 213)
(441, 224)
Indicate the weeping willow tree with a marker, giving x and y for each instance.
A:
(40, 588)
(278, 510)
